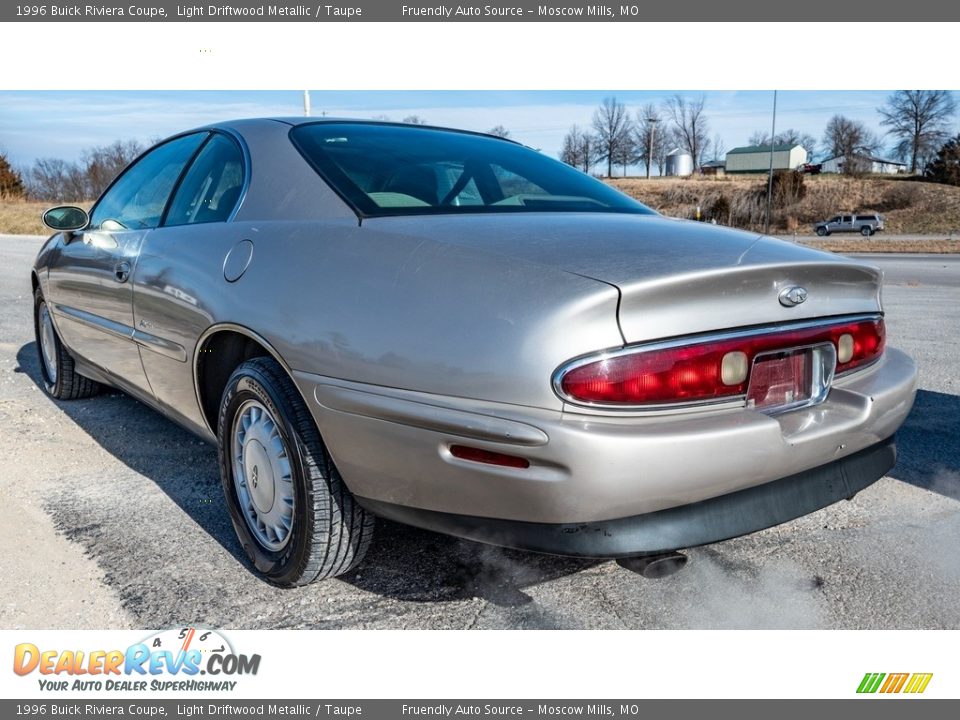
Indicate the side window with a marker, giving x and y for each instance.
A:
(211, 188)
(137, 199)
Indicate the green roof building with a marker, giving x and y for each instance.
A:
(756, 158)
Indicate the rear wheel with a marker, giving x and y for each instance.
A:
(292, 512)
(821, 231)
(60, 377)
(866, 231)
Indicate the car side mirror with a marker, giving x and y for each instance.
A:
(65, 218)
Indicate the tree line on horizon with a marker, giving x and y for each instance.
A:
(917, 122)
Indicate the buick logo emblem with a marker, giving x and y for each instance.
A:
(793, 296)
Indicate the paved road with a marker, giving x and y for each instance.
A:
(113, 518)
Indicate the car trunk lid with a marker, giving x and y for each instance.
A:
(675, 277)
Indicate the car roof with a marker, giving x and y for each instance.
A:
(293, 121)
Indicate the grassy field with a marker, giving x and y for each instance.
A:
(878, 244)
(22, 218)
(18, 217)
(908, 206)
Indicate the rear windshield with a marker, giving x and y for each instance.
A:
(385, 169)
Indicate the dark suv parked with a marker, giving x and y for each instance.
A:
(866, 225)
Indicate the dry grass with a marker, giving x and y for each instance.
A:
(908, 206)
(22, 218)
(879, 245)
(19, 217)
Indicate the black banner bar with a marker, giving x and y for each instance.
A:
(738, 11)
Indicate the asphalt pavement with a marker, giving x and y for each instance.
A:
(113, 517)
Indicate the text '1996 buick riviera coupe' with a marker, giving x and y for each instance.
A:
(454, 331)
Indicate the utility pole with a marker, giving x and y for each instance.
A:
(773, 135)
(652, 122)
(306, 103)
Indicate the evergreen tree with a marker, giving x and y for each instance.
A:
(945, 168)
(11, 184)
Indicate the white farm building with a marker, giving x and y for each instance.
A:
(756, 158)
(865, 164)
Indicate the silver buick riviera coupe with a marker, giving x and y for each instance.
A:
(454, 331)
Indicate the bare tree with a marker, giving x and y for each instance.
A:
(850, 140)
(614, 132)
(626, 153)
(787, 137)
(55, 179)
(668, 141)
(650, 136)
(499, 131)
(690, 126)
(718, 149)
(570, 152)
(578, 149)
(795, 137)
(920, 121)
(101, 164)
(414, 120)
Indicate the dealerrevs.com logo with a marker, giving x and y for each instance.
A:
(170, 660)
(891, 683)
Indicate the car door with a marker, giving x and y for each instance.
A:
(90, 288)
(846, 223)
(183, 272)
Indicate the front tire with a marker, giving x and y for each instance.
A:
(57, 368)
(291, 510)
(821, 231)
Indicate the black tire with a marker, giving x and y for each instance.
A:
(329, 532)
(821, 231)
(67, 384)
(866, 231)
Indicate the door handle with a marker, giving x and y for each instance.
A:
(121, 271)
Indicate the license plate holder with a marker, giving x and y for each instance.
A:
(791, 378)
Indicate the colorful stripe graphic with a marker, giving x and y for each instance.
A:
(894, 683)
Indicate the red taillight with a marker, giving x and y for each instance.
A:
(465, 452)
(697, 371)
(868, 341)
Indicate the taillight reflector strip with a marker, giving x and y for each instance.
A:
(708, 370)
(465, 452)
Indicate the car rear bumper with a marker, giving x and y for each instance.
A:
(720, 518)
(393, 449)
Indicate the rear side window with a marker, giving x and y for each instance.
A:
(383, 169)
(867, 218)
(212, 186)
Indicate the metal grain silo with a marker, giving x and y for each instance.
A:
(679, 163)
